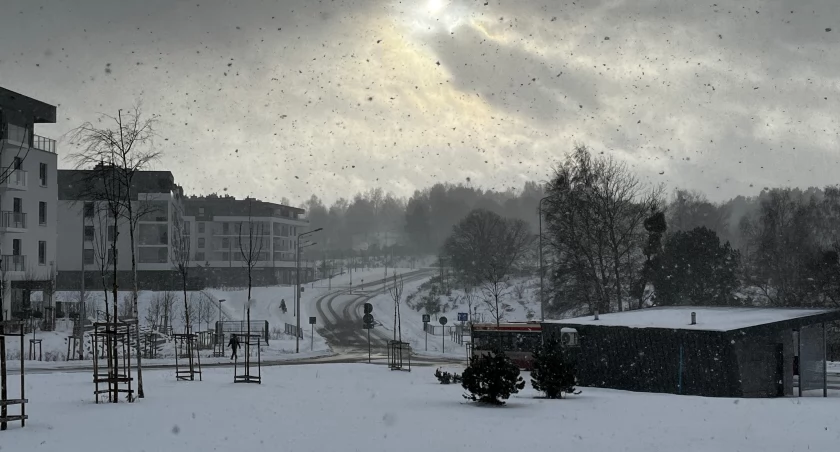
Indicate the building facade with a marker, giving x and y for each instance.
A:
(28, 204)
(227, 232)
(87, 231)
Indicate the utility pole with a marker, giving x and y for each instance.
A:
(297, 286)
(542, 273)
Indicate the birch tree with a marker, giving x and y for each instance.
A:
(125, 144)
(251, 237)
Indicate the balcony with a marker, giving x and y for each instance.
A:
(43, 143)
(15, 180)
(13, 263)
(12, 222)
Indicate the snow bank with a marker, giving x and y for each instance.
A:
(295, 409)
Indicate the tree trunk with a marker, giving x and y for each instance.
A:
(134, 307)
(111, 341)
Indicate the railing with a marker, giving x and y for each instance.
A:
(13, 263)
(12, 220)
(43, 143)
(16, 179)
(291, 329)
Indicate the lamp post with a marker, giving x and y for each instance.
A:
(542, 273)
(297, 285)
(219, 338)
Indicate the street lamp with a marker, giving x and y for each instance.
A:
(542, 293)
(219, 338)
(297, 285)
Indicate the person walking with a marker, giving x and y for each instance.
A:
(234, 345)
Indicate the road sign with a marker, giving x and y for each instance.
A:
(312, 320)
(302, 288)
(443, 320)
(463, 316)
(368, 308)
(426, 318)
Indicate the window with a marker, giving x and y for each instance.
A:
(88, 210)
(199, 256)
(155, 211)
(18, 163)
(42, 213)
(17, 205)
(42, 253)
(201, 227)
(186, 228)
(153, 234)
(225, 228)
(112, 233)
(88, 256)
(225, 243)
(16, 247)
(42, 174)
(89, 232)
(154, 255)
(201, 210)
(201, 242)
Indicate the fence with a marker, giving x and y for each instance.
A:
(438, 330)
(241, 328)
(457, 333)
(292, 329)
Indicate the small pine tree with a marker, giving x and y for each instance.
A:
(553, 373)
(446, 378)
(491, 378)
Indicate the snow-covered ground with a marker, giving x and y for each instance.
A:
(266, 306)
(513, 308)
(295, 409)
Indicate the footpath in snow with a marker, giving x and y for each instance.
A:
(295, 409)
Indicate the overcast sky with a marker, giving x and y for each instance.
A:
(294, 97)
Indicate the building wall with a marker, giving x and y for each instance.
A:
(655, 360)
(34, 232)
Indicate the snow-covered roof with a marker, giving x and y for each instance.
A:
(708, 318)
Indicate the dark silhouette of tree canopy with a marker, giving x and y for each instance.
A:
(696, 269)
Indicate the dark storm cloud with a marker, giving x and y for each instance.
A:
(336, 96)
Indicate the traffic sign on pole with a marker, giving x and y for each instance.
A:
(442, 321)
(463, 316)
(426, 318)
(368, 308)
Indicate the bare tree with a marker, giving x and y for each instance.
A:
(486, 249)
(595, 214)
(101, 248)
(251, 236)
(204, 311)
(181, 248)
(396, 292)
(188, 315)
(124, 145)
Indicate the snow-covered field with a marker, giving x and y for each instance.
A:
(295, 409)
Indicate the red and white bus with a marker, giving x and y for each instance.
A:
(516, 339)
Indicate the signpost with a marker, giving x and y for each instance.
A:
(312, 338)
(368, 324)
(426, 319)
(443, 335)
(462, 317)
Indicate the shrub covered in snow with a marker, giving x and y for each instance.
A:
(553, 372)
(491, 378)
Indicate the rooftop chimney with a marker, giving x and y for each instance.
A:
(694, 318)
(596, 314)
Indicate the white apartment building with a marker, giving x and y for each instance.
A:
(86, 231)
(219, 228)
(28, 202)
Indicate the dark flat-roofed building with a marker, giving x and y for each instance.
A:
(705, 351)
